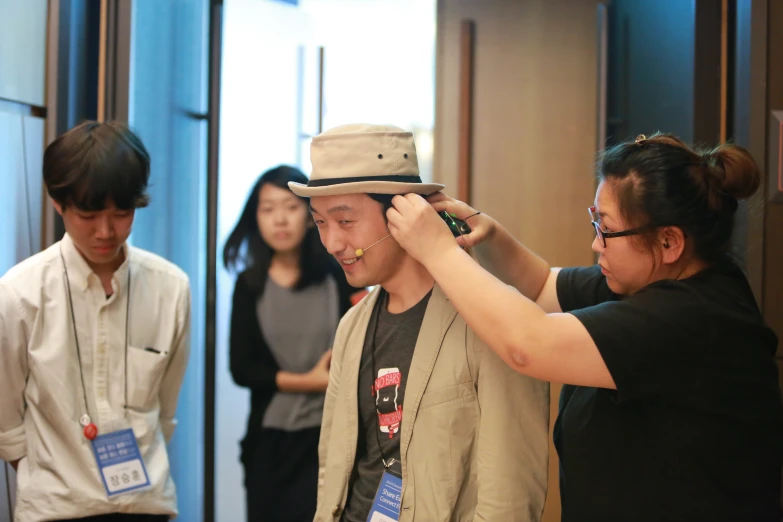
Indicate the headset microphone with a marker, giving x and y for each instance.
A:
(360, 251)
(458, 228)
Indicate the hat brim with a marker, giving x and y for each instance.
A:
(365, 187)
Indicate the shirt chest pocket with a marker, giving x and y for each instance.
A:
(145, 373)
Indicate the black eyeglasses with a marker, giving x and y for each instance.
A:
(603, 235)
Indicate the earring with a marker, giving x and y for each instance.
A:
(665, 244)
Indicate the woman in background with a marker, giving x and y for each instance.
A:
(288, 300)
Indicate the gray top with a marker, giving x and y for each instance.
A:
(298, 326)
(383, 376)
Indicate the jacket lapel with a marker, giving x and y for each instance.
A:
(349, 380)
(437, 319)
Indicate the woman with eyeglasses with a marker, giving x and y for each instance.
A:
(671, 408)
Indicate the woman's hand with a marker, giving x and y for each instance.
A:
(418, 228)
(481, 225)
(319, 375)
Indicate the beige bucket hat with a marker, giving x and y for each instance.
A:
(364, 158)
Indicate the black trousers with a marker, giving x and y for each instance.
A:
(121, 517)
(281, 475)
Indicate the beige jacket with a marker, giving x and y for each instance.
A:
(475, 434)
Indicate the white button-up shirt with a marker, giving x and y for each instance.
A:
(41, 397)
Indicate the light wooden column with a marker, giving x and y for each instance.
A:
(517, 137)
(466, 49)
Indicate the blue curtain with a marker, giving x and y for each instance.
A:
(168, 95)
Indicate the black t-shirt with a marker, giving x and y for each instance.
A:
(694, 431)
(383, 375)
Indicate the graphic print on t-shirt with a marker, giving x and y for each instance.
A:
(388, 402)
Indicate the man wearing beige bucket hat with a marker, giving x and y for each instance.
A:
(422, 421)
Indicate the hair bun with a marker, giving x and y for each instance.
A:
(731, 171)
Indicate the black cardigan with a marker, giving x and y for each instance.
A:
(252, 363)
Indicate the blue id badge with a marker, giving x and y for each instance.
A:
(386, 506)
(119, 461)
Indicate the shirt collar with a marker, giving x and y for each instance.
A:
(79, 271)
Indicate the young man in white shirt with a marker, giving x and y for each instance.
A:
(93, 345)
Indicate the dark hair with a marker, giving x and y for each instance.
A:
(385, 200)
(94, 163)
(246, 250)
(661, 181)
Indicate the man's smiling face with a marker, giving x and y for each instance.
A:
(352, 221)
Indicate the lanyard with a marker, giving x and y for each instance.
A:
(377, 313)
(90, 430)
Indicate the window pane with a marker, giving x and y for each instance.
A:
(21, 157)
(23, 50)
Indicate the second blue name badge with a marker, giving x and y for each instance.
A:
(386, 506)
(119, 461)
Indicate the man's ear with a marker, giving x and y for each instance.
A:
(59, 208)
